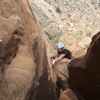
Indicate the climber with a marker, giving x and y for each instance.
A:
(61, 53)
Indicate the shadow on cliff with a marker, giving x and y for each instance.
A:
(85, 72)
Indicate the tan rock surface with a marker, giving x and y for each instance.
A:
(77, 19)
(23, 58)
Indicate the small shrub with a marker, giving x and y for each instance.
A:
(70, 44)
(58, 10)
(49, 35)
(80, 32)
(93, 1)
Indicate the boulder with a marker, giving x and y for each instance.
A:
(85, 71)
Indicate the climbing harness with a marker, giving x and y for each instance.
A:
(77, 93)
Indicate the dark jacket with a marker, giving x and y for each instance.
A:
(67, 52)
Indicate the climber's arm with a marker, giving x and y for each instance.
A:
(60, 57)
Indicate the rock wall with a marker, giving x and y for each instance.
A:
(85, 71)
(72, 22)
(24, 67)
(23, 57)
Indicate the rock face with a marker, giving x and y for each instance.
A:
(24, 66)
(67, 21)
(23, 57)
(85, 72)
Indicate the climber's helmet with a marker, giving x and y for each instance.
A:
(60, 45)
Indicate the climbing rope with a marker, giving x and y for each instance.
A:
(77, 93)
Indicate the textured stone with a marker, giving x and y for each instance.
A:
(85, 71)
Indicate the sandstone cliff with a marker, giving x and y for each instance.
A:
(23, 57)
(25, 70)
(85, 71)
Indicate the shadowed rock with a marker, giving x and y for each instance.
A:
(85, 72)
